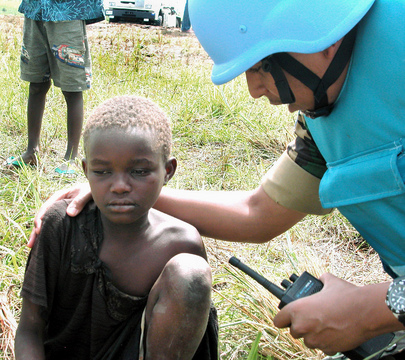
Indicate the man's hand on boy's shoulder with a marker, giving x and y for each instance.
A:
(80, 194)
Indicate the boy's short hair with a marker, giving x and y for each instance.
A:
(127, 112)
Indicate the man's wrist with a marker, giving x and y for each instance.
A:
(395, 298)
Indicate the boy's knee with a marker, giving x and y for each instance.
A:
(39, 88)
(72, 96)
(189, 276)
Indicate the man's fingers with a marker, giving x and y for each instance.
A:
(80, 195)
(79, 201)
(282, 319)
(31, 239)
(60, 194)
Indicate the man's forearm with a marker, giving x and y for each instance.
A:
(242, 216)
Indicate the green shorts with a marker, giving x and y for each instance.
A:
(57, 51)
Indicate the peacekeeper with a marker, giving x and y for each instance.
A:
(341, 65)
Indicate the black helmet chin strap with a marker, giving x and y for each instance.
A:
(276, 62)
(269, 64)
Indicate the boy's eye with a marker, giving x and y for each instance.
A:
(101, 172)
(140, 172)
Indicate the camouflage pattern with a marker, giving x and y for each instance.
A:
(303, 150)
(62, 10)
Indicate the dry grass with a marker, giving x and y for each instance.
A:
(8, 327)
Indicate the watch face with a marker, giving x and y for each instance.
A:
(396, 297)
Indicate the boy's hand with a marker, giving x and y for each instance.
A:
(80, 194)
(332, 320)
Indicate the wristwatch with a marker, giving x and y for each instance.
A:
(396, 298)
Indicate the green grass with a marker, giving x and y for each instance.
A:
(223, 140)
(9, 7)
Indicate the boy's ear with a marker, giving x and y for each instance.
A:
(84, 165)
(171, 166)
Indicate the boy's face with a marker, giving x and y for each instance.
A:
(126, 172)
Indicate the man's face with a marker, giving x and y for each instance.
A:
(261, 83)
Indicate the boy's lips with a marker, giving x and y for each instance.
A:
(121, 206)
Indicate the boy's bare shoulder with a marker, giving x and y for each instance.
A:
(177, 232)
(172, 225)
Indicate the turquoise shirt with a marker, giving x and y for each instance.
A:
(363, 139)
(62, 10)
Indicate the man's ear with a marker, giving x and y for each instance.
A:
(330, 52)
(84, 166)
(171, 166)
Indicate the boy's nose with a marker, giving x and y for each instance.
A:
(120, 184)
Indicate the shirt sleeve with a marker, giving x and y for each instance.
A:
(43, 263)
(293, 181)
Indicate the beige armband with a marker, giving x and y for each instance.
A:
(292, 187)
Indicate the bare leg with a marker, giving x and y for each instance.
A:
(74, 102)
(178, 308)
(35, 111)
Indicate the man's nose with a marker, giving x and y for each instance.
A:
(255, 85)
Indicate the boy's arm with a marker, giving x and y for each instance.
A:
(29, 342)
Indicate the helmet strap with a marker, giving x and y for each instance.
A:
(270, 65)
(319, 86)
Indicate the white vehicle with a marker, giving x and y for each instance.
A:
(155, 12)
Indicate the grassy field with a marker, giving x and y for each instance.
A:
(9, 7)
(223, 140)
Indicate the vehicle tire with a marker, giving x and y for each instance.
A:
(178, 23)
(159, 21)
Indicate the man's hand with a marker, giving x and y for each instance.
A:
(340, 317)
(80, 194)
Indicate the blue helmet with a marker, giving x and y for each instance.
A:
(237, 34)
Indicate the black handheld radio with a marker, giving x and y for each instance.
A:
(305, 285)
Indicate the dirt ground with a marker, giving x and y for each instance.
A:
(162, 41)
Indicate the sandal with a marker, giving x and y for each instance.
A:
(17, 162)
(67, 167)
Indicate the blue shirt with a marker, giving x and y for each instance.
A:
(62, 10)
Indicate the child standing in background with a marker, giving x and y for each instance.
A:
(55, 47)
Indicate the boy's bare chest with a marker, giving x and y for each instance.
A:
(134, 269)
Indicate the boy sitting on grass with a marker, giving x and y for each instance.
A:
(122, 280)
